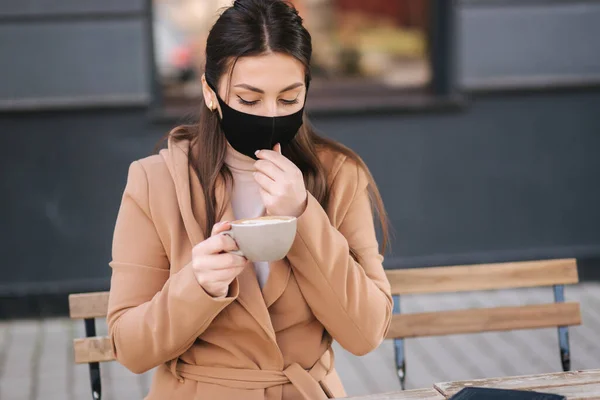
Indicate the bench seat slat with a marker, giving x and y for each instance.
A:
(94, 349)
(484, 320)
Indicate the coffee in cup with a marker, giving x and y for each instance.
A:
(264, 238)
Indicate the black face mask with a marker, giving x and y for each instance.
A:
(247, 133)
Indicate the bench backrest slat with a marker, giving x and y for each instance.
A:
(483, 277)
(88, 305)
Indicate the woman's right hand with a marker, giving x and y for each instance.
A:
(214, 268)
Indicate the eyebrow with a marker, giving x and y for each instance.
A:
(257, 90)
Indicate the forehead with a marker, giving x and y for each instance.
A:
(269, 72)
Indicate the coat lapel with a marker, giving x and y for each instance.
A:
(192, 206)
(251, 299)
(250, 296)
(279, 276)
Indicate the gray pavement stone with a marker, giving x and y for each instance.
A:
(78, 328)
(18, 373)
(54, 361)
(350, 377)
(16, 388)
(418, 354)
(5, 339)
(144, 381)
(80, 382)
(381, 374)
(121, 380)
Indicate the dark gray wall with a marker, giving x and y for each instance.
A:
(527, 42)
(36, 8)
(72, 62)
(512, 177)
(70, 52)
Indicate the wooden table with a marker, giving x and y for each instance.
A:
(575, 385)
(418, 394)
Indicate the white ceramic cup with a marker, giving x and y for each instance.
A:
(264, 238)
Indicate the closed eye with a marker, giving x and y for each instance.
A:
(289, 102)
(247, 103)
(284, 102)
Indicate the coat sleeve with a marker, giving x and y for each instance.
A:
(152, 317)
(350, 298)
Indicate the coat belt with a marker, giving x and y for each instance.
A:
(305, 381)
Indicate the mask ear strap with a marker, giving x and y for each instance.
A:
(210, 85)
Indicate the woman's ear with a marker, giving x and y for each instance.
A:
(209, 96)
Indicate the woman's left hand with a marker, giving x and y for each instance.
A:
(282, 184)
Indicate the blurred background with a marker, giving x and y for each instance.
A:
(378, 44)
(479, 119)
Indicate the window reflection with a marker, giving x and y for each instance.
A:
(355, 42)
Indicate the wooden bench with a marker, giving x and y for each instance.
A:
(92, 349)
(556, 273)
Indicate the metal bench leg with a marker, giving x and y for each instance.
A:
(400, 361)
(399, 349)
(563, 332)
(90, 331)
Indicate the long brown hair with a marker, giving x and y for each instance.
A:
(248, 28)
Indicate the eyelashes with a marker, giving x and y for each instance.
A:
(247, 103)
(255, 102)
(289, 102)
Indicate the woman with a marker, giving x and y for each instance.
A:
(215, 325)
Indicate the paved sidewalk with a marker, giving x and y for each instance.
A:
(36, 355)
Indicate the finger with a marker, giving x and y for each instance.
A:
(227, 275)
(269, 169)
(276, 158)
(215, 245)
(220, 227)
(266, 199)
(277, 148)
(226, 261)
(219, 262)
(266, 183)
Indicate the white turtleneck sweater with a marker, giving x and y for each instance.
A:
(245, 199)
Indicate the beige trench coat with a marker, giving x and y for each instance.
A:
(253, 344)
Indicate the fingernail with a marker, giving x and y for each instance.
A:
(256, 152)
